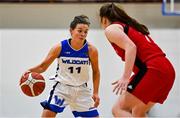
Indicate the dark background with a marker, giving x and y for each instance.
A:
(77, 1)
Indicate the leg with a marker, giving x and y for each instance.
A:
(128, 106)
(47, 113)
(122, 107)
(117, 112)
(140, 109)
(84, 104)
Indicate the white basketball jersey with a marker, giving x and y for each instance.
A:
(73, 65)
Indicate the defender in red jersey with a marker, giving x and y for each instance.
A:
(152, 73)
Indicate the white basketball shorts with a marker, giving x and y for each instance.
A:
(79, 98)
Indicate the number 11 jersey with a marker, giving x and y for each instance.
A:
(73, 65)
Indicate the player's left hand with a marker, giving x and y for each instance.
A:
(96, 100)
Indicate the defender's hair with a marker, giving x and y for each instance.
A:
(115, 14)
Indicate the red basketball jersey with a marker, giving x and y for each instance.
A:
(148, 84)
(146, 48)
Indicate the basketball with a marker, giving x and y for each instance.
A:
(32, 84)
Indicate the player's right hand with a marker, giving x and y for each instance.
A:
(120, 86)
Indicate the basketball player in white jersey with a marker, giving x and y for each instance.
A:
(74, 55)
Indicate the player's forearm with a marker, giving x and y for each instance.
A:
(39, 69)
(130, 56)
(96, 81)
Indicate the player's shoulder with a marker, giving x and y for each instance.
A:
(56, 48)
(114, 31)
(92, 49)
(113, 27)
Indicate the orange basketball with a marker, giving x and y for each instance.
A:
(32, 84)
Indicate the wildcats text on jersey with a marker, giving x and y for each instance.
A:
(73, 61)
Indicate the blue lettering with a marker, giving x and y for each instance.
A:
(58, 101)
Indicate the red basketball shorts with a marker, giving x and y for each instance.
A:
(153, 81)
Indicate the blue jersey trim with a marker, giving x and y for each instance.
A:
(52, 92)
(68, 51)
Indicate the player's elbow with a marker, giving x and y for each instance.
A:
(131, 47)
(134, 48)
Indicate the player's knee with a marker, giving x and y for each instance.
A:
(47, 113)
(138, 111)
(114, 110)
(121, 105)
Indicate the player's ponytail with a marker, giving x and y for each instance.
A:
(82, 19)
(114, 14)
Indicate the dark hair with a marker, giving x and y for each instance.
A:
(114, 14)
(82, 19)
